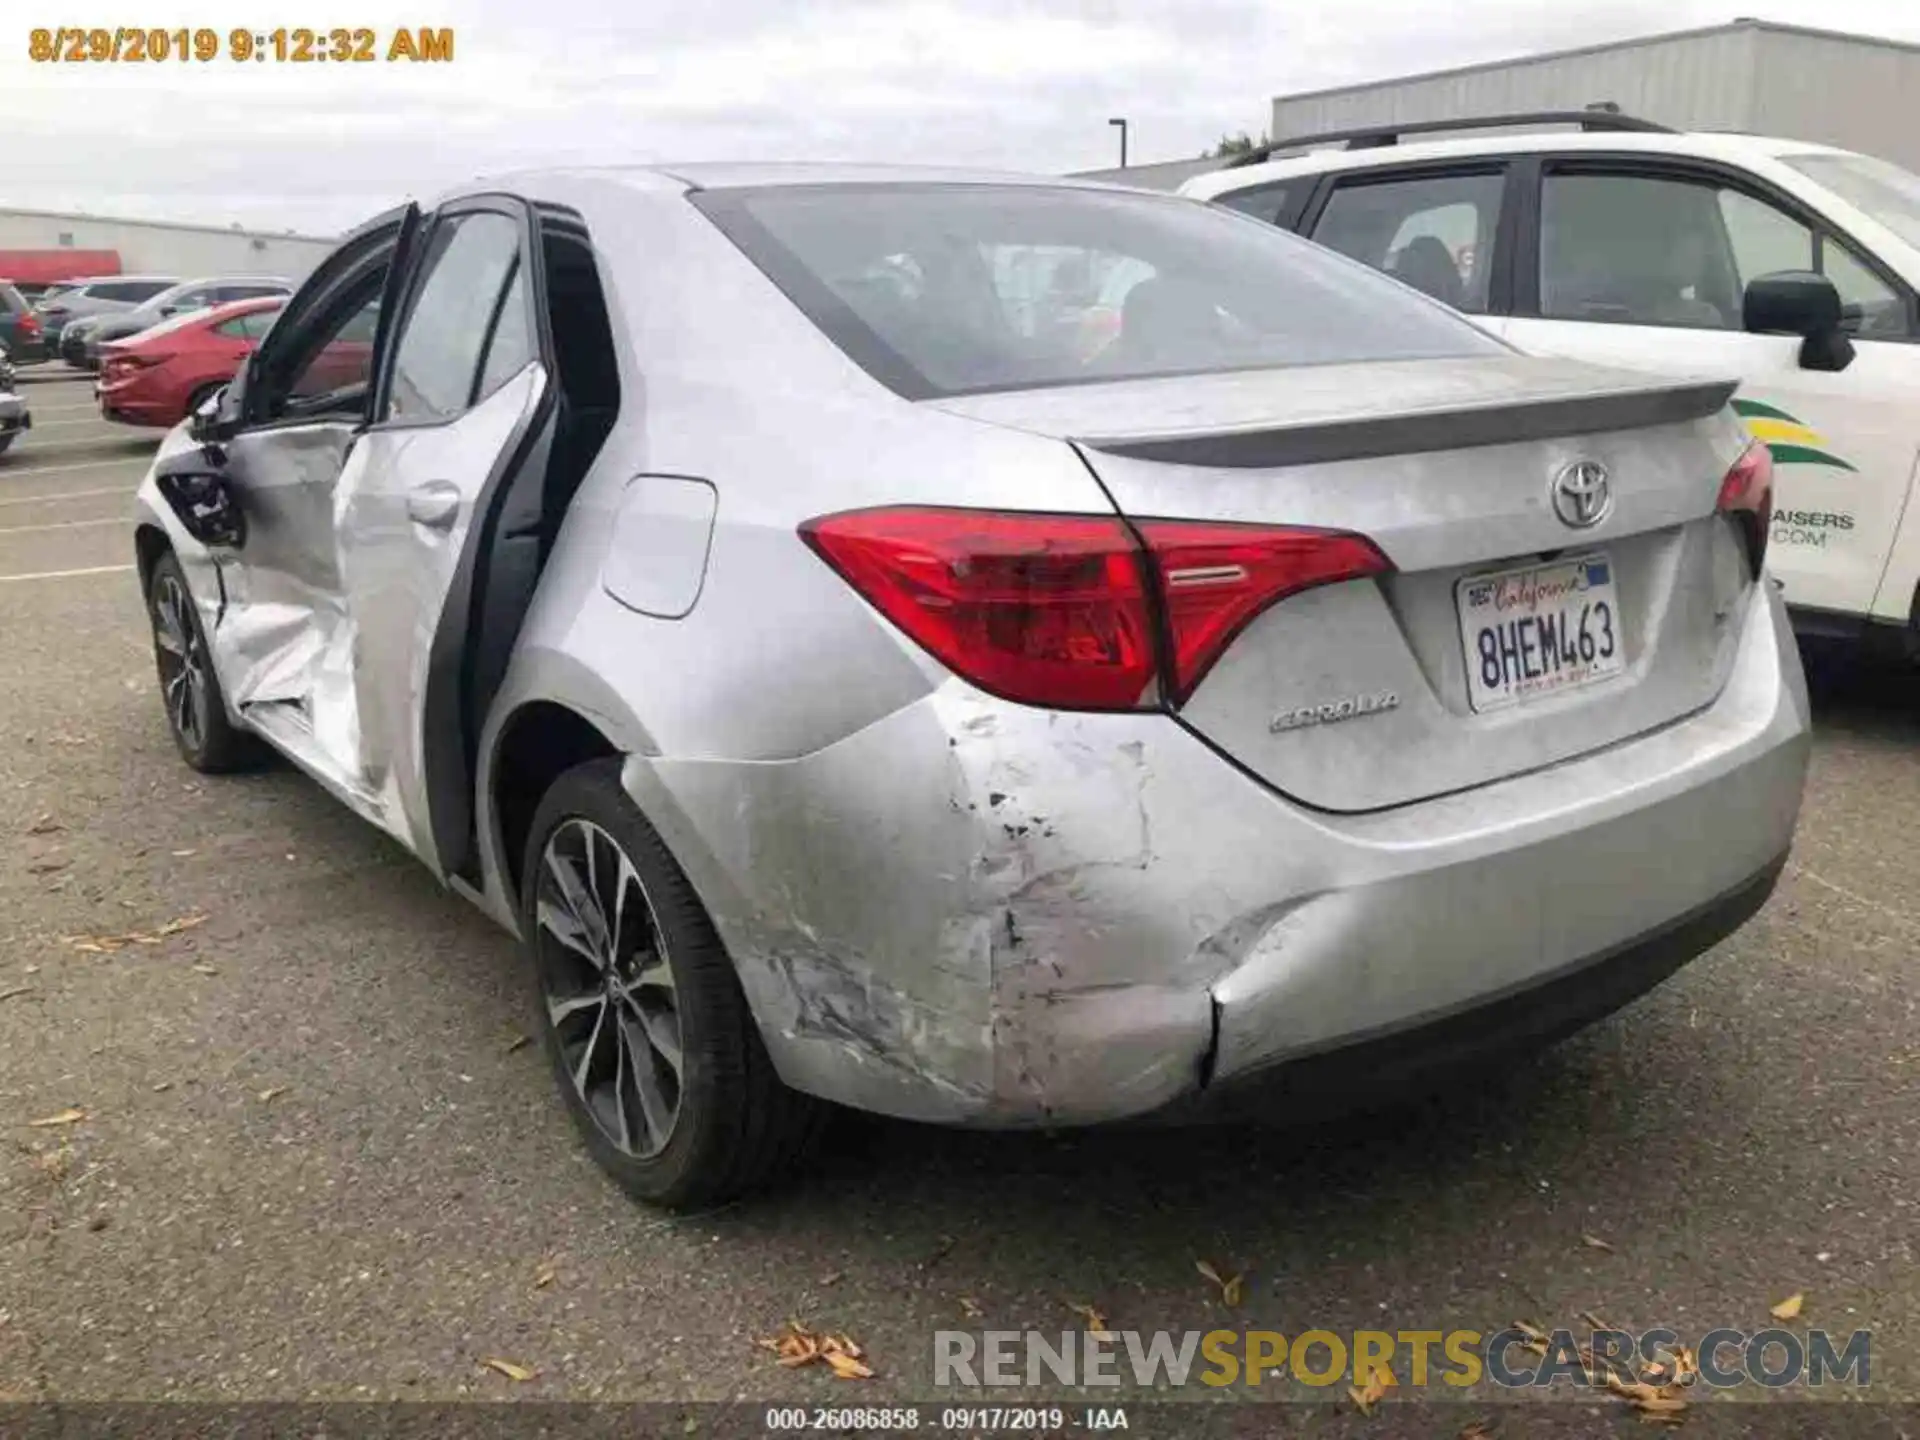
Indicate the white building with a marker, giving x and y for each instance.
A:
(39, 246)
(1854, 91)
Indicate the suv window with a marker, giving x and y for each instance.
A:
(138, 290)
(1668, 250)
(1433, 232)
(11, 299)
(437, 361)
(1271, 203)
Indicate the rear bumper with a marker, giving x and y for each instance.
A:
(14, 415)
(1427, 1051)
(979, 913)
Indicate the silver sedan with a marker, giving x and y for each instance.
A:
(995, 651)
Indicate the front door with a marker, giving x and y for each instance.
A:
(1643, 264)
(283, 644)
(458, 425)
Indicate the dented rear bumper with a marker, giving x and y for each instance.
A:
(975, 912)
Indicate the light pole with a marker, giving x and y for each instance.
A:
(1121, 122)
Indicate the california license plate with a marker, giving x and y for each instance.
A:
(1539, 630)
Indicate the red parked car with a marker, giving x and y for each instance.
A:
(162, 375)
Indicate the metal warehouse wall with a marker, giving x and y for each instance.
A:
(1162, 175)
(153, 248)
(1700, 80)
(1839, 92)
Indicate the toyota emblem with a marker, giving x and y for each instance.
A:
(1582, 494)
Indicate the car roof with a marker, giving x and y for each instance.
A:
(737, 175)
(1704, 144)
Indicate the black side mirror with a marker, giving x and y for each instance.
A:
(1803, 303)
(205, 505)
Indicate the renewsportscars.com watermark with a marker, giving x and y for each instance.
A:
(1515, 1358)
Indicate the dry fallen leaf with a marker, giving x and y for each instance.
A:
(518, 1042)
(163, 1085)
(833, 1277)
(47, 867)
(1231, 1287)
(848, 1367)
(108, 944)
(45, 825)
(1594, 1242)
(272, 1092)
(182, 854)
(202, 968)
(1096, 1322)
(69, 1116)
(796, 1345)
(1481, 1429)
(1376, 1391)
(544, 1276)
(16, 990)
(1789, 1308)
(970, 1307)
(519, 1373)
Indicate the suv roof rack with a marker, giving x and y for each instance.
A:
(1374, 137)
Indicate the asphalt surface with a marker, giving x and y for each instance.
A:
(313, 1162)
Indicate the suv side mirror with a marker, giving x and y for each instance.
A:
(1803, 303)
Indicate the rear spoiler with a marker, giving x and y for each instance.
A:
(1408, 433)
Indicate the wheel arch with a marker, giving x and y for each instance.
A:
(538, 742)
(150, 542)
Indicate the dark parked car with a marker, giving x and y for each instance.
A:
(60, 305)
(20, 329)
(13, 410)
(80, 342)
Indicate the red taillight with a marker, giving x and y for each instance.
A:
(1747, 494)
(1215, 578)
(1045, 609)
(29, 325)
(1070, 611)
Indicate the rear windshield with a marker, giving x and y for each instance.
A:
(954, 289)
(11, 299)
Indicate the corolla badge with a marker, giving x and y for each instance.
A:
(1582, 494)
(1349, 707)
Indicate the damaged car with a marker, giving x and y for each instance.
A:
(853, 685)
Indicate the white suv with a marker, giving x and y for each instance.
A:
(1792, 265)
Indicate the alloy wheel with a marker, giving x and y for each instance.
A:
(609, 991)
(183, 661)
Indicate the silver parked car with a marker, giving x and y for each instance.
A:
(81, 340)
(852, 686)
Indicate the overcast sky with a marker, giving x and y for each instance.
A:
(1004, 83)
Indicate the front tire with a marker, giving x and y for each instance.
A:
(196, 709)
(642, 1016)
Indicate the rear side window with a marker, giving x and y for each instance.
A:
(466, 267)
(953, 289)
(11, 299)
(138, 290)
(1433, 232)
(1274, 204)
(250, 292)
(248, 327)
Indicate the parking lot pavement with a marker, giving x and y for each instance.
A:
(316, 1162)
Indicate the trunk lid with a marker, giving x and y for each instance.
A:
(1362, 694)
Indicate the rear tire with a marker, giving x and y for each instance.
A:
(189, 689)
(642, 1017)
